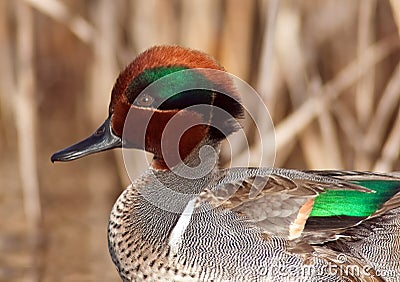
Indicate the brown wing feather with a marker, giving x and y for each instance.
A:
(278, 200)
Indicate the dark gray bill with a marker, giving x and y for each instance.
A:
(103, 139)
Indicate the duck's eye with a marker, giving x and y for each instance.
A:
(144, 100)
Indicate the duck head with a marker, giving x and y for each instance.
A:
(196, 101)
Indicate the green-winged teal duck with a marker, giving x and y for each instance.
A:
(191, 221)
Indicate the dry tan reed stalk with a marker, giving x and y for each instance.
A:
(365, 87)
(391, 149)
(290, 54)
(152, 22)
(330, 144)
(267, 81)
(348, 123)
(282, 158)
(329, 149)
(237, 27)
(385, 110)
(265, 85)
(396, 12)
(104, 69)
(7, 78)
(364, 100)
(58, 11)
(196, 32)
(26, 117)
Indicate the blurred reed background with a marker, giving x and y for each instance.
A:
(327, 70)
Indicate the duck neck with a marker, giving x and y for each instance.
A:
(194, 154)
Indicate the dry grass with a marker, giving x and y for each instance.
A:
(327, 70)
